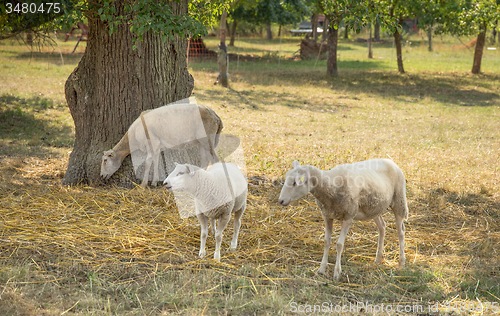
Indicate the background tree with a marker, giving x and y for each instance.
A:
(240, 11)
(352, 14)
(429, 15)
(15, 23)
(393, 13)
(467, 17)
(267, 12)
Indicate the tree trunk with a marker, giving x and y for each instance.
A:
(326, 22)
(269, 31)
(429, 38)
(314, 25)
(222, 59)
(112, 84)
(233, 33)
(370, 49)
(331, 63)
(376, 32)
(478, 51)
(399, 51)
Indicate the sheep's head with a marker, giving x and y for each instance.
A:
(109, 164)
(297, 184)
(181, 178)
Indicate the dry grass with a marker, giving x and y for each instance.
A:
(103, 251)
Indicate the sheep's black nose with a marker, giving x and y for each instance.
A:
(282, 202)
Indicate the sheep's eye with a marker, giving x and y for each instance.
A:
(294, 183)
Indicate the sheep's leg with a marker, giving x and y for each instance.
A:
(147, 167)
(400, 226)
(340, 247)
(328, 241)
(203, 235)
(381, 234)
(237, 225)
(213, 222)
(156, 169)
(221, 225)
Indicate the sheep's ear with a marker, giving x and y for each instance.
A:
(295, 164)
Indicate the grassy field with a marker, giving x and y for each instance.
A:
(114, 251)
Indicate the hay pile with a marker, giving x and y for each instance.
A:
(115, 231)
(102, 227)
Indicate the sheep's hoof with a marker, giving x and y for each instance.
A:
(202, 254)
(336, 274)
(232, 249)
(379, 260)
(321, 271)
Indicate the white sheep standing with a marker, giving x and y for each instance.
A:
(169, 126)
(360, 191)
(218, 191)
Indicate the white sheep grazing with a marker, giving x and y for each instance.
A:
(218, 191)
(165, 127)
(360, 191)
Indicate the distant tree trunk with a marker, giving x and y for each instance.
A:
(269, 31)
(331, 63)
(376, 32)
(325, 28)
(112, 84)
(429, 38)
(29, 38)
(478, 51)
(232, 35)
(399, 51)
(346, 32)
(314, 25)
(222, 59)
(370, 50)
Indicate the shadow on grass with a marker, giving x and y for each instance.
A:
(472, 203)
(472, 221)
(370, 77)
(25, 126)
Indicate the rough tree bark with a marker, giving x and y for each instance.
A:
(331, 63)
(478, 51)
(113, 83)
